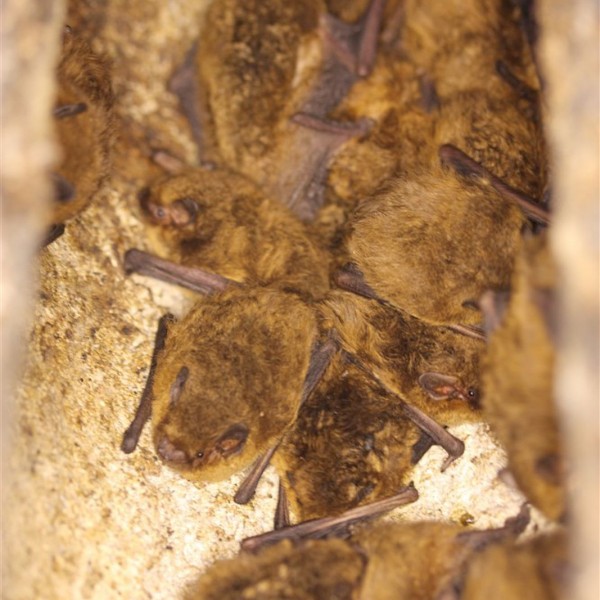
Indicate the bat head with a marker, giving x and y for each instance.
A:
(198, 199)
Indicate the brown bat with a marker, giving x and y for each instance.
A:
(399, 140)
(430, 244)
(308, 571)
(221, 221)
(430, 369)
(421, 561)
(539, 569)
(382, 561)
(84, 127)
(518, 377)
(483, 109)
(268, 74)
(350, 444)
(227, 380)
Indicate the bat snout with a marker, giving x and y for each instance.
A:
(169, 452)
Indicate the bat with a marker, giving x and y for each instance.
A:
(221, 221)
(431, 244)
(538, 569)
(385, 560)
(275, 128)
(351, 444)
(482, 109)
(227, 379)
(432, 371)
(84, 126)
(518, 375)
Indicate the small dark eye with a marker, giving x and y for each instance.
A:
(472, 393)
(160, 213)
(200, 455)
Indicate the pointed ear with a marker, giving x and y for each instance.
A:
(233, 440)
(493, 305)
(440, 387)
(350, 278)
(321, 355)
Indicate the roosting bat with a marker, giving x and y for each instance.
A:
(518, 377)
(430, 244)
(221, 221)
(539, 569)
(383, 561)
(482, 109)
(350, 444)
(429, 369)
(268, 74)
(228, 379)
(83, 118)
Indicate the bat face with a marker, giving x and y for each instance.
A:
(431, 244)
(431, 367)
(229, 380)
(194, 198)
(221, 221)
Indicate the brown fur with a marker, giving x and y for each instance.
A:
(235, 230)
(295, 68)
(246, 367)
(351, 444)
(247, 60)
(398, 349)
(86, 138)
(315, 569)
(399, 140)
(518, 378)
(458, 44)
(427, 560)
(387, 561)
(430, 243)
(538, 569)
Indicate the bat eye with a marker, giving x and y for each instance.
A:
(160, 212)
(472, 393)
(178, 385)
(200, 454)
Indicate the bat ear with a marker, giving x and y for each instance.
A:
(493, 305)
(350, 278)
(233, 440)
(322, 354)
(178, 385)
(440, 387)
(64, 191)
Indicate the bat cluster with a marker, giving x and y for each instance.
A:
(366, 230)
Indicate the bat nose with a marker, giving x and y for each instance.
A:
(169, 452)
